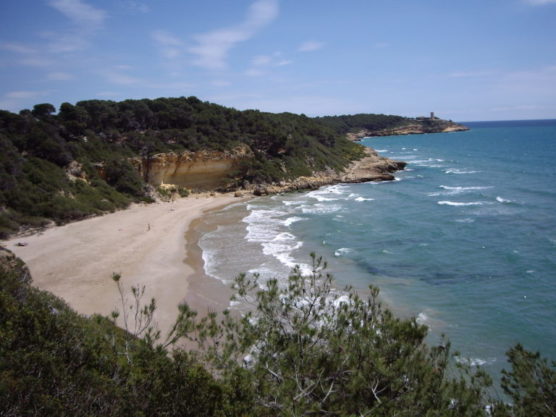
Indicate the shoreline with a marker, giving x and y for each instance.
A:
(155, 246)
(144, 243)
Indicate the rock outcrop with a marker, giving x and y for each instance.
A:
(199, 171)
(372, 167)
(419, 127)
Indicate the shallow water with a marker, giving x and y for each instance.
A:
(465, 239)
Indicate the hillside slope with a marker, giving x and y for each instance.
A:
(98, 156)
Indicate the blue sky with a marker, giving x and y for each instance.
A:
(465, 60)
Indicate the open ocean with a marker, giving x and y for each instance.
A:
(464, 239)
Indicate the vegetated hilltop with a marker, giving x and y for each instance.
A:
(97, 156)
(304, 350)
(358, 126)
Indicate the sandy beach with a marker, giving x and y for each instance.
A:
(147, 244)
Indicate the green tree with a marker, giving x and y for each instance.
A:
(43, 110)
(312, 350)
(530, 384)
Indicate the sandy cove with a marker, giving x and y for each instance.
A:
(145, 243)
(155, 246)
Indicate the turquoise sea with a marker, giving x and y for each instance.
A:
(464, 239)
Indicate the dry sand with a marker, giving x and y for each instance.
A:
(145, 243)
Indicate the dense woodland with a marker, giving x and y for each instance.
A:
(39, 148)
(377, 123)
(301, 351)
(350, 123)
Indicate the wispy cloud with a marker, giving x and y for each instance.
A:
(309, 46)
(59, 76)
(79, 12)
(15, 100)
(261, 63)
(18, 48)
(28, 56)
(119, 78)
(137, 6)
(85, 20)
(212, 48)
(170, 46)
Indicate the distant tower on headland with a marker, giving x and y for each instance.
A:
(432, 115)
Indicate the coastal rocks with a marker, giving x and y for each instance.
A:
(372, 167)
(416, 128)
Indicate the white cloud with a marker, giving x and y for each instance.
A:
(23, 94)
(212, 48)
(261, 62)
(85, 19)
(137, 6)
(170, 46)
(30, 56)
(59, 76)
(16, 100)
(79, 12)
(310, 46)
(17, 47)
(116, 76)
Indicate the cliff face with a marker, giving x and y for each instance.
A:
(418, 127)
(198, 171)
(210, 170)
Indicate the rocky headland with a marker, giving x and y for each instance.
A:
(419, 126)
(372, 167)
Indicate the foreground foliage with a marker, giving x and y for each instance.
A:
(301, 349)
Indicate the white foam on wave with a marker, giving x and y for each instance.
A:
(209, 262)
(428, 163)
(290, 220)
(342, 251)
(294, 202)
(360, 199)
(320, 208)
(457, 190)
(262, 224)
(330, 193)
(503, 200)
(465, 220)
(459, 171)
(382, 150)
(266, 227)
(461, 204)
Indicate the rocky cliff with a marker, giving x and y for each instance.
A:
(198, 171)
(210, 170)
